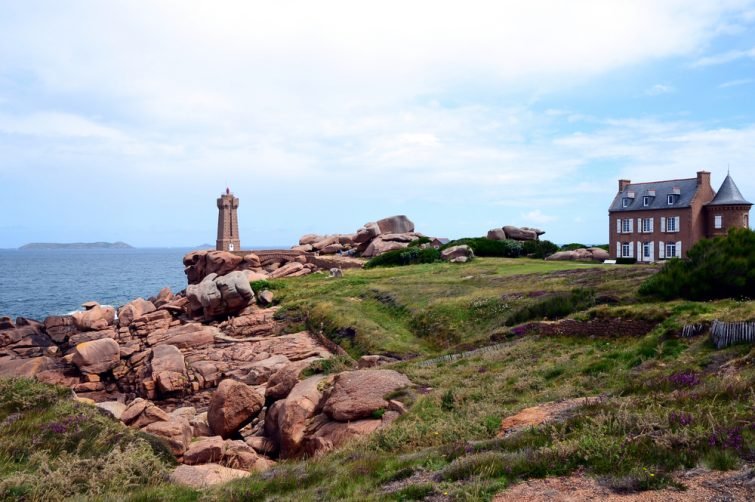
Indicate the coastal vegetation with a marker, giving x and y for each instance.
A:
(723, 267)
(659, 402)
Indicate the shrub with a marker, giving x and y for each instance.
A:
(723, 267)
(488, 247)
(554, 307)
(626, 261)
(418, 242)
(539, 249)
(572, 247)
(408, 256)
(260, 285)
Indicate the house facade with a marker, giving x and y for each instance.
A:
(662, 219)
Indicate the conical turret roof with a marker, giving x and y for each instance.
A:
(728, 194)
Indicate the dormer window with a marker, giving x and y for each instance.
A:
(646, 201)
(625, 202)
(670, 199)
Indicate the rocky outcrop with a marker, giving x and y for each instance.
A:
(523, 233)
(97, 356)
(175, 431)
(169, 369)
(373, 239)
(203, 476)
(585, 254)
(457, 254)
(134, 309)
(94, 318)
(220, 295)
(232, 406)
(358, 394)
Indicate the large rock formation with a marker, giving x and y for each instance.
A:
(515, 233)
(220, 295)
(161, 371)
(233, 405)
(373, 239)
(584, 254)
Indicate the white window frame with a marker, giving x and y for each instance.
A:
(625, 202)
(718, 222)
(647, 248)
(646, 201)
(626, 226)
(647, 225)
(626, 249)
(671, 250)
(670, 199)
(671, 225)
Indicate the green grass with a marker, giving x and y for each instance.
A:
(434, 308)
(662, 403)
(52, 447)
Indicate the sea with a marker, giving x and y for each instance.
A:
(39, 283)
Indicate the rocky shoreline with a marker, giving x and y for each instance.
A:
(209, 370)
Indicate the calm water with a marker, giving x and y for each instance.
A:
(39, 283)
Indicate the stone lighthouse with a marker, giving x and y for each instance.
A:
(228, 223)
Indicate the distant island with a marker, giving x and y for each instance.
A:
(76, 245)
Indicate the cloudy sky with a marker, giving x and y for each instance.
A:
(124, 120)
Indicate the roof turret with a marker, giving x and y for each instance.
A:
(728, 194)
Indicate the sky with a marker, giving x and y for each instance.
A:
(125, 120)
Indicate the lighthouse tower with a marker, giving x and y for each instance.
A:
(228, 223)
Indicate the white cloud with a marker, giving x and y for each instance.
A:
(538, 217)
(58, 124)
(723, 58)
(736, 83)
(658, 89)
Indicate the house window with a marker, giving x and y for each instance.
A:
(646, 250)
(671, 225)
(670, 200)
(625, 247)
(647, 225)
(625, 228)
(625, 202)
(670, 250)
(719, 221)
(646, 201)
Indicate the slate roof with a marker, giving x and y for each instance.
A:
(728, 194)
(687, 188)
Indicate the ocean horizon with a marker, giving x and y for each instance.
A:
(39, 283)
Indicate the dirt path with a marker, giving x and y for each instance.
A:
(701, 484)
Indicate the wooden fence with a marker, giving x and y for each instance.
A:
(725, 334)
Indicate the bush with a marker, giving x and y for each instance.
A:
(572, 247)
(723, 267)
(408, 256)
(626, 261)
(260, 285)
(539, 249)
(488, 247)
(418, 242)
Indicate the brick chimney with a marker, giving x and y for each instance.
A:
(703, 178)
(623, 184)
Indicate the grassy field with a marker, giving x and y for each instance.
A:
(662, 402)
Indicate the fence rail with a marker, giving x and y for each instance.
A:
(725, 334)
(461, 355)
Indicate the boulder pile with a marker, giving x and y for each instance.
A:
(584, 254)
(226, 395)
(373, 239)
(510, 232)
(256, 266)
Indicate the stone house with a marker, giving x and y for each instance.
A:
(662, 219)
